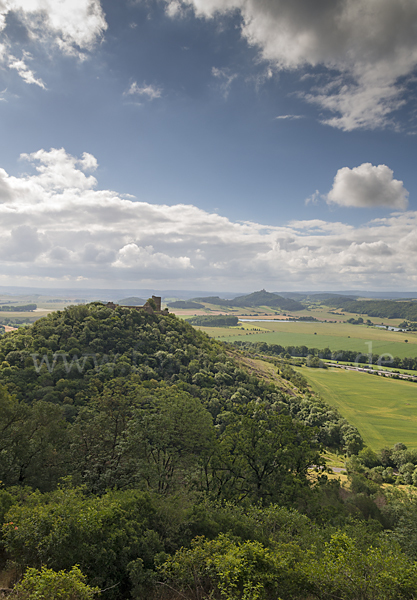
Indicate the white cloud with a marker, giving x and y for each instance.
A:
(149, 91)
(23, 70)
(74, 26)
(289, 117)
(368, 48)
(368, 186)
(55, 224)
(174, 8)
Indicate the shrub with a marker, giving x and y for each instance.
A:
(227, 570)
(47, 584)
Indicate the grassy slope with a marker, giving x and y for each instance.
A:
(384, 410)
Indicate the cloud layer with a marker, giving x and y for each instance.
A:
(368, 186)
(368, 48)
(57, 225)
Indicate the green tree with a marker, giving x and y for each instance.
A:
(33, 442)
(263, 457)
(170, 437)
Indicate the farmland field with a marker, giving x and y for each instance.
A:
(384, 410)
(336, 336)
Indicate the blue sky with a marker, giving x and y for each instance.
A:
(208, 144)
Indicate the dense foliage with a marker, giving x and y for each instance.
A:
(391, 465)
(136, 545)
(66, 358)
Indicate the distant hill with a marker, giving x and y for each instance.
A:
(261, 298)
(264, 298)
(185, 304)
(386, 309)
(213, 300)
(133, 301)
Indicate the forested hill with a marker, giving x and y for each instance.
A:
(67, 359)
(385, 309)
(262, 298)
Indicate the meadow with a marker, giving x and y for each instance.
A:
(384, 410)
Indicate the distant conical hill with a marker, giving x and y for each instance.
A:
(264, 298)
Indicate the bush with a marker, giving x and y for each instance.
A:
(347, 572)
(47, 584)
(224, 569)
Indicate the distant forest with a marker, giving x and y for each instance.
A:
(21, 308)
(214, 321)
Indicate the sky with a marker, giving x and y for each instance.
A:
(226, 145)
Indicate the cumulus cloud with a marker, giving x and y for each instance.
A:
(368, 186)
(73, 26)
(57, 224)
(150, 92)
(368, 48)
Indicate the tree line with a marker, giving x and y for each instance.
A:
(352, 356)
(19, 308)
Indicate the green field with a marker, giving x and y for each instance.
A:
(384, 410)
(335, 336)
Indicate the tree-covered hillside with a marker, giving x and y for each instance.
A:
(139, 459)
(63, 358)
